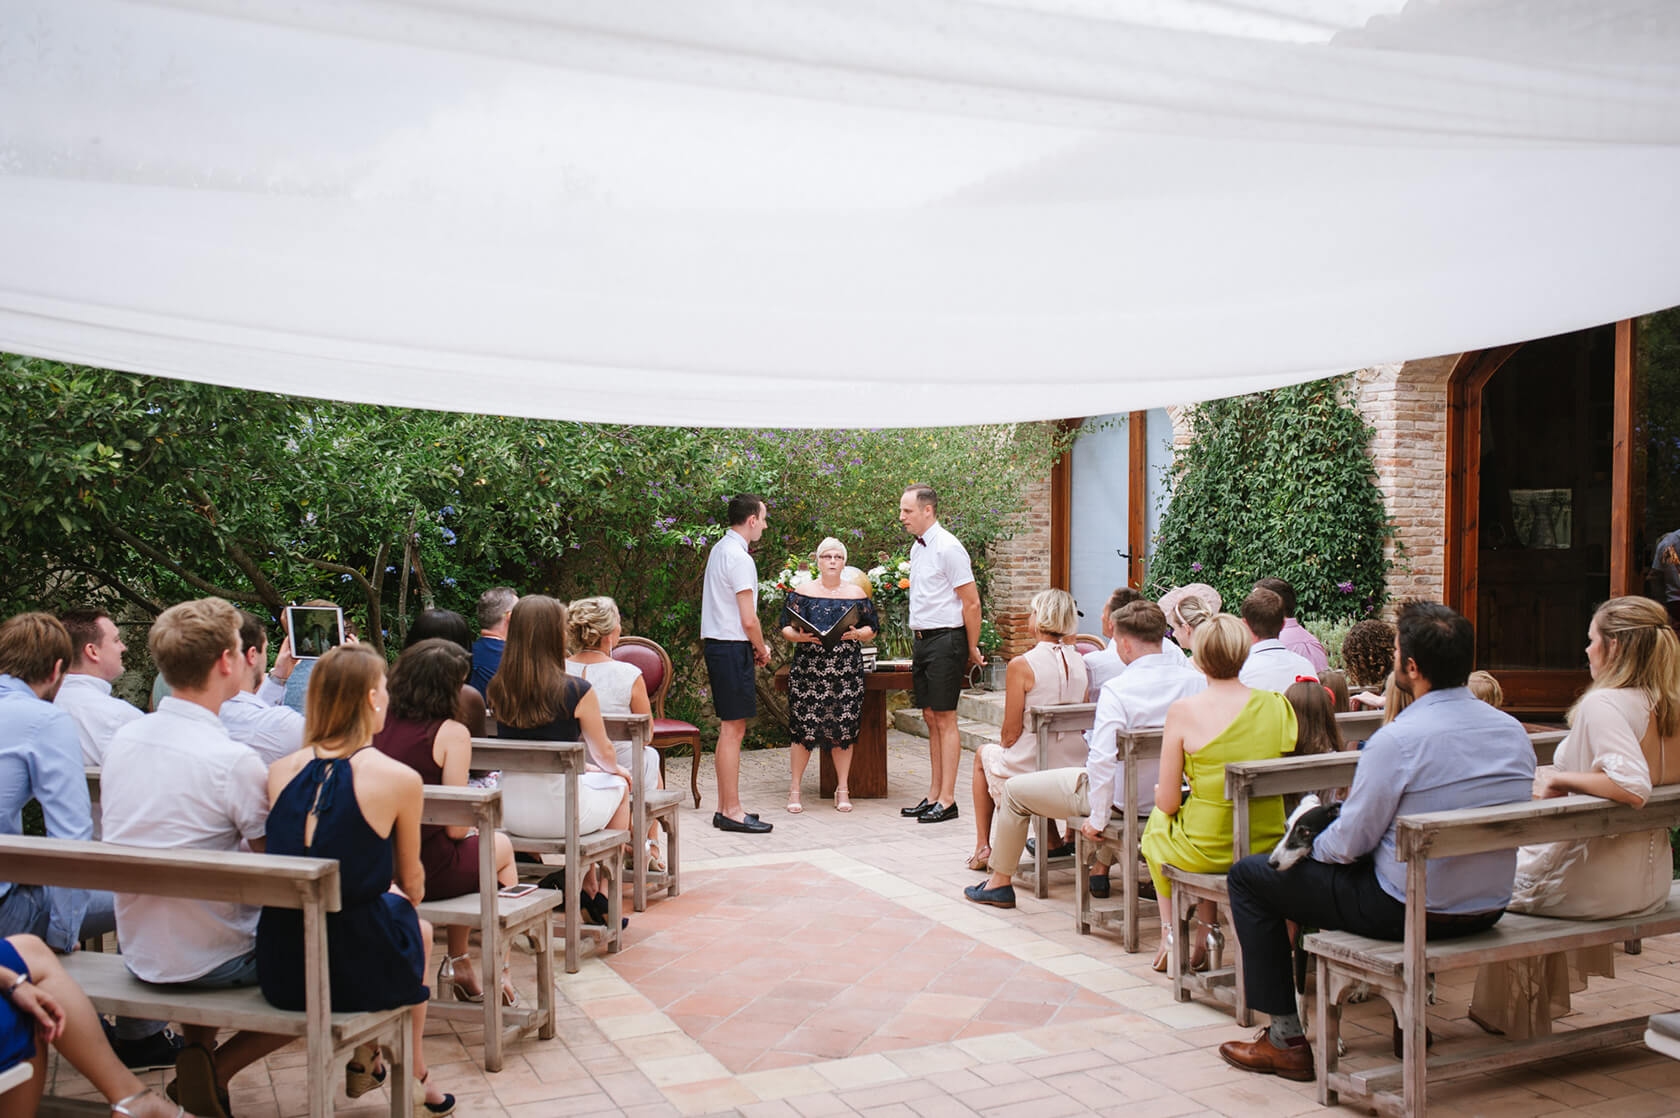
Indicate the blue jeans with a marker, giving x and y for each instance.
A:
(27, 910)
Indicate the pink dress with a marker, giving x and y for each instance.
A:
(1059, 676)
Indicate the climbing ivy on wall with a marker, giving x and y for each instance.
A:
(1278, 484)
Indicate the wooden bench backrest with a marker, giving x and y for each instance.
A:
(1447, 834)
(512, 755)
(1357, 725)
(462, 807)
(637, 729)
(200, 875)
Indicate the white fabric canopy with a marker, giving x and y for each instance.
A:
(825, 212)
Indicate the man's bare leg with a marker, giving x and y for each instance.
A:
(728, 762)
(936, 759)
(946, 749)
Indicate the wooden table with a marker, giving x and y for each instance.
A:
(868, 777)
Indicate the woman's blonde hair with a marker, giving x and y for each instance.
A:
(1053, 613)
(1643, 653)
(1221, 644)
(1486, 688)
(1395, 699)
(590, 621)
(336, 707)
(830, 544)
(1194, 612)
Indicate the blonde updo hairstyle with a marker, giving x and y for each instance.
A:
(1053, 613)
(590, 621)
(1642, 653)
(1221, 644)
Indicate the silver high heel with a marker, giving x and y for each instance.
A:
(1215, 947)
(451, 989)
(121, 1106)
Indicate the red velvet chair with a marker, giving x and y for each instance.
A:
(655, 665)
(1086, 642)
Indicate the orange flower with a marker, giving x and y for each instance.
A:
(904, 584)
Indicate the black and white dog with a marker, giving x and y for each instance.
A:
(1309, 819)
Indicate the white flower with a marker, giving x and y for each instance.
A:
(876, 572)
(801, 577)
(904, 566)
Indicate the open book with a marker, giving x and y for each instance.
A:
(829, 635)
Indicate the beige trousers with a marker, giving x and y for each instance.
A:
(1054, 794)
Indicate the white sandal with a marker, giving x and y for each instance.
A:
(121, 1105)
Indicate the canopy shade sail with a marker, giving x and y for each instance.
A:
(825, 212)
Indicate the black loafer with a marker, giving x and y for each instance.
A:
(1099, 885)
(912, 812)
(937, 813)
(750, 825)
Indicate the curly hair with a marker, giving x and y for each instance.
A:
(1368, 653)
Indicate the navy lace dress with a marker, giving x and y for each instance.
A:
(825, 685)
(376, 958)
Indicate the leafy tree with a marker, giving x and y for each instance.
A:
(1278, 484)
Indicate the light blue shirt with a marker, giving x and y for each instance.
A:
(1447, 750)
(41, 759)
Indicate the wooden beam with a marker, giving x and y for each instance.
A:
(1061, 515)
(1137, 496)
(1625, 572)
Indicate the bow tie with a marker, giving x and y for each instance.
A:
(921, 541)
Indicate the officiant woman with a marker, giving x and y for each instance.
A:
(825, 684)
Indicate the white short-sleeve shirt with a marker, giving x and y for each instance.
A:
(938, 566)
(97, 713)
(1272, 667)
(174, 780)
(729, 570)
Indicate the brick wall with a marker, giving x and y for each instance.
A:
(1021, 568)
(1407, 404)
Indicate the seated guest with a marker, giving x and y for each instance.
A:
(1136, 699)
(1227, 721)
(41, 760)
(1485, 687)
(86, 692)
(1394, 699)
(593, 627)
(421, 732)
(256, 716)
(174, 780)
(1185, 608)
(495, 607)
(1315, 730)
(337, 799)
(1294, 635)
(1447, 751)
(1047, 674)
(297, 683)
(448, 625)
(535, 700)
(1368, 653)
(1336, 683)
(1105, 663)
(40, 1002)
(1270, 666)
(1624, 740)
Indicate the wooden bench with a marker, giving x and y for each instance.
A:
(1125, 832)
(648, 805)
(1042, 722)
(15, 1076)
(1244, 781)
(1399, 971)
(497, 919)
(603, 847)
(1663, 1035)
(310, 885)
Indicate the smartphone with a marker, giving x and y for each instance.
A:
(524, 889)
(314, 630)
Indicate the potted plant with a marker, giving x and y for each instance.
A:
(992, 675)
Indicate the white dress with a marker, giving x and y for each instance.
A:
(1584, 879)
(613, 682)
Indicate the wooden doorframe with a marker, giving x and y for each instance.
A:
(1137, 504)
(1537, 690)
(1061, 513)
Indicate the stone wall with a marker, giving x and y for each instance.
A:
(1021, 568)
(1407, 404)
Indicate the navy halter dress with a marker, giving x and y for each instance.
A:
(376, 958)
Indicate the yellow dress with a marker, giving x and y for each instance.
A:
(1198, 839)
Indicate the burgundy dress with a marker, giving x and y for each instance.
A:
(451, 865)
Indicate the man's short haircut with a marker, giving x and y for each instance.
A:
(1221, 647)
(82, 624)
(1283, 590)
(444, 624)
(495, 604)
(1121, 596)
(253, 632)
(924, 495)
(187, 639)
(742, 506)
(1263, 611)
(32, 644)
(1141, 620)
(1440, 641)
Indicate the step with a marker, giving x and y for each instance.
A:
(981, 706)
(971, 733)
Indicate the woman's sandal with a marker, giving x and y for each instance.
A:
(121, 1106)
(842, 802)
(424, 1109)
(510, 996)
(655, 863)
(448, 985)
(794, 807)
(1159, 966)
(980, 859)
(360, 1074)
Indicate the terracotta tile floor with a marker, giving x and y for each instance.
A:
(832, 967)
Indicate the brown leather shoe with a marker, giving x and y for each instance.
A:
(1261, 1055)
